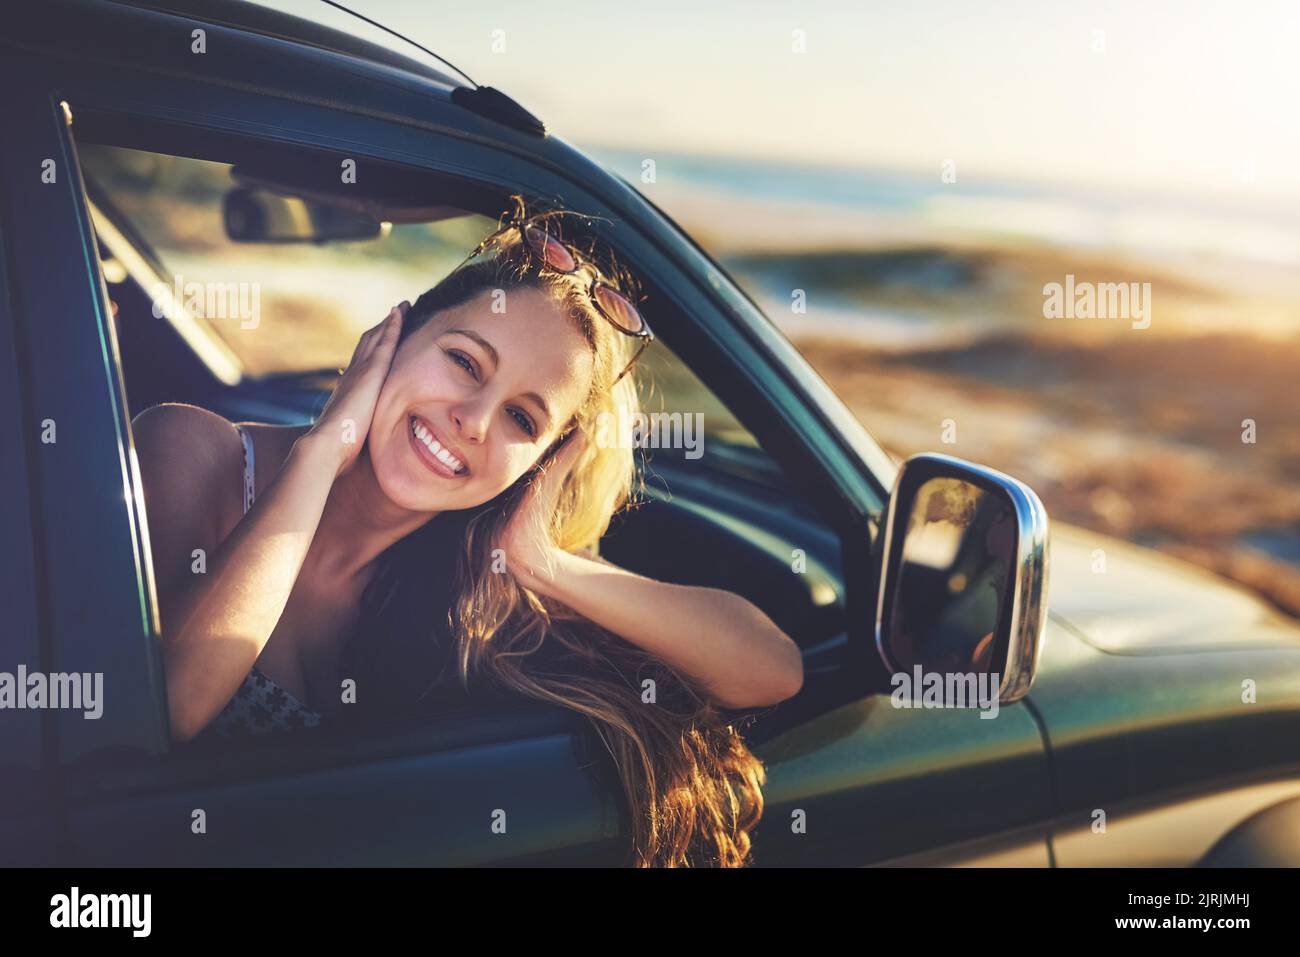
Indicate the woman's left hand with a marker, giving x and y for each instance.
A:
(525, 540)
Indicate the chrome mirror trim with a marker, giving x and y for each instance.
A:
(1029, 597)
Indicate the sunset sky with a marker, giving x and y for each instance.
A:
(1187, 94)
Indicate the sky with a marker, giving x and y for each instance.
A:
(1189, 95)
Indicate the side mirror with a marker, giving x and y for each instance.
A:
(260, 216)
(963, 582)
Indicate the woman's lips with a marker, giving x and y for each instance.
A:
(426, 457)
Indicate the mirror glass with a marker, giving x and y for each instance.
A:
(954, 583)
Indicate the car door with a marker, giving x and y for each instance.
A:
(27, 824)
(87, 561)
(852, 779)
(500, 787)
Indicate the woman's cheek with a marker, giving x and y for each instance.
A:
(518, 461)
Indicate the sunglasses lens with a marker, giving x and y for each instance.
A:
(619, 308)
(551, 251)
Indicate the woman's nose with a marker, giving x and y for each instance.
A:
(471, 421)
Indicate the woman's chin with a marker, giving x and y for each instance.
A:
(410, 485)
(405, 487)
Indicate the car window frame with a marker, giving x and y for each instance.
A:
(340, 130)
(90, 547)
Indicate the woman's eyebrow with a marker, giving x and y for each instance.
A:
(541, 404)
(487, 346)
(496, 361)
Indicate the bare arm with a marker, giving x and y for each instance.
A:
(719, 638)
(216, 624)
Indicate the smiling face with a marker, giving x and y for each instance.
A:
(474, 398)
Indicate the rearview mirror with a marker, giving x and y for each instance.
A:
(260, 216)
(962, 600)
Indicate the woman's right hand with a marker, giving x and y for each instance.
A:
(341, 430)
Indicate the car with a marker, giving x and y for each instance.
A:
(1144, 712)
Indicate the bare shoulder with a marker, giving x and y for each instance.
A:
(191, 462)
(185, 436)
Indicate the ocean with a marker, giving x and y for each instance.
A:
(1232, 223)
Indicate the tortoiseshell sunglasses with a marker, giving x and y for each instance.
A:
(551, 252)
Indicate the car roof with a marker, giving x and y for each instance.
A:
(318, 24)
(335, 29)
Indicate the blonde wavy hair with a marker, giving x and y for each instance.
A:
(692, 789)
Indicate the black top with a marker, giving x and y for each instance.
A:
(401, 652)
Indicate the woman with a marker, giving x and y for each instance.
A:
(439, 520)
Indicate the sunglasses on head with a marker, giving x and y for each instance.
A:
(548, 251)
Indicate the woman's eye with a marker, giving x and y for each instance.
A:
(464, 362)
(524, 422)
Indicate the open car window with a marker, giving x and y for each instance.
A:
(289, 313)
(281, 308)
(297, 308)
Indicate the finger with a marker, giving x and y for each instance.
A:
(569, 456)
(380, 361)
(360, 348)
(386, 344)
(375, 334)
(364, 343)
(573, 444)
(395, 320)
(561, 464)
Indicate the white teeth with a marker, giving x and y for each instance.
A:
(441, 454)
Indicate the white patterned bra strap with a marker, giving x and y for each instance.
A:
(248, 468)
